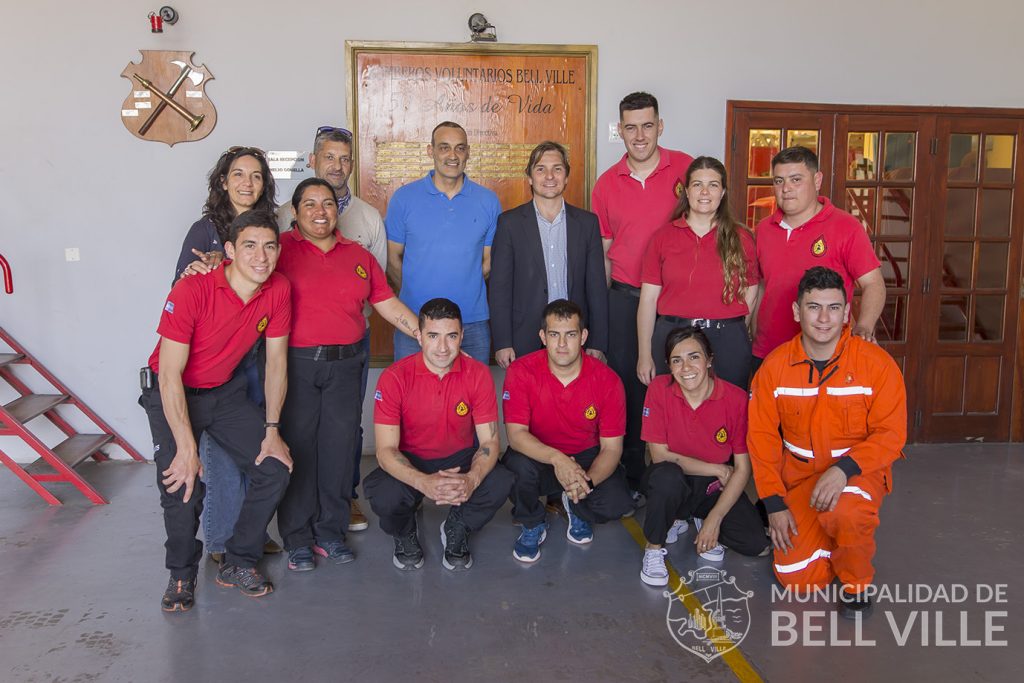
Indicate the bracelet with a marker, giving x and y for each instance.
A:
(268, 425)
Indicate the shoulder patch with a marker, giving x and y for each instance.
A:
(819, 247)
(169, 307)
(360, 271)
(462, 409)
(721, 436)
(262, 325)
(377, 396)
(678, 189)
(647, 411)
(591, 412)
(505, 396)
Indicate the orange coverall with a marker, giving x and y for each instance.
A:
(854, 410)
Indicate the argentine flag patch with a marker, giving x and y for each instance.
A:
(169, 307)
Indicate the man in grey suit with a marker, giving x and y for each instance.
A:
(545, 250)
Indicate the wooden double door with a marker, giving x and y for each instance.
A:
(938, 192)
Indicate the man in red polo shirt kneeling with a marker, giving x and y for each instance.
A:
(208, 325)
(429, 406)
(565, 415)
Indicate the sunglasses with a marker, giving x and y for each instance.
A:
(330, 129)
(242, 151)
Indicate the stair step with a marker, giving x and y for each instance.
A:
(27, 407)
(8, 358)
(77, 448)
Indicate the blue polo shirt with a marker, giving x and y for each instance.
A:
(444, 243)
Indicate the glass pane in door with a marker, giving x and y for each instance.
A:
(999, 158)
(963, 157)
(764, 144)
(861, 155)
(804, 138)
(898, 156)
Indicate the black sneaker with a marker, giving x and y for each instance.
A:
(179, 596)
(336, 551)
(853, 604)
(301, 560)
(455, 539)
(408, 552)
(246, 579)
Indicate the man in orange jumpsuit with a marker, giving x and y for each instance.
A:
(828, 416)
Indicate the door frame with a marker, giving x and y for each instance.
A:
(738, 110)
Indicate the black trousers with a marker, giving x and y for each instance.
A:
(229, 417)
(320, 423)
(730, 346)
(608, 501)
(672, 494)
(622, 357)
(395, 502)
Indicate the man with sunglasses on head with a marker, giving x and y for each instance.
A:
(440, 230)
(358, 221)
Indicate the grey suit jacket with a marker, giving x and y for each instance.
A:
(519, 284)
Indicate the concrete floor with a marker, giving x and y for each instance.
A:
(81, 586)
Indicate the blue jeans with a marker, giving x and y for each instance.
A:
(225, 483)
(476, 341)
(362, 395)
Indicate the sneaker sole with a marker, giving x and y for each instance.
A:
(568, 534)
(444, 560)
(268, 589)
(406, 567)
(713, 556)
(297, 568)
(177, 607)
(653, 580)
(317, 550)
(359, 526)
(531, 560)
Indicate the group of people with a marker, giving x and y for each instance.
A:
(631, 330)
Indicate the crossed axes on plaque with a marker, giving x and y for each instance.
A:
(167, 98)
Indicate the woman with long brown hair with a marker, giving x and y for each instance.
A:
(700, 270)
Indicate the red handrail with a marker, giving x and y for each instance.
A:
(8, 278)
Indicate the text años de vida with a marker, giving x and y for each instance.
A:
(520, 104)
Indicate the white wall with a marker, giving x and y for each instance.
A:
(72, 176)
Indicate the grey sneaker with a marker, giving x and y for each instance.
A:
(455, 540)
(408, 552)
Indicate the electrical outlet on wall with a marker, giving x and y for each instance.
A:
(613, 133)
(71, 254)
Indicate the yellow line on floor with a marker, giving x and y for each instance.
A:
(733, 658)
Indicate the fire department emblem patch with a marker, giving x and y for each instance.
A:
(360, 271)
(721, 436)
(262, 325)
(679, 188)
(819, 247)
(590, 413)
(462, 409)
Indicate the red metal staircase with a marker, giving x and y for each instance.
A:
(55, 464)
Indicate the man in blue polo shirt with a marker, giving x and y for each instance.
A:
(440, 230)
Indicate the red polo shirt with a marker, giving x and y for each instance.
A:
(329, 289)
(832, 238)
(714, 431)
(570, 418)
(631, 211)
(437, 414)
(205, 313)
(689, 271)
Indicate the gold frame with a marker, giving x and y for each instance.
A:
(353, 47)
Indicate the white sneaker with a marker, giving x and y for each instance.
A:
(679, 527)
(716, 554)
(654, 571)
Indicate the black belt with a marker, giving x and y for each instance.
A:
(326, 352)
(199, 391)
(703, 323)
(628, 289)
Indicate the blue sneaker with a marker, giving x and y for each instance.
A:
(336, 551)
(527, 546)
(579, 531)
(301, 559)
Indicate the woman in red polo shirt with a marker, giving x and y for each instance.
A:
(332, 280)
(699, 270)
(696, 428)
